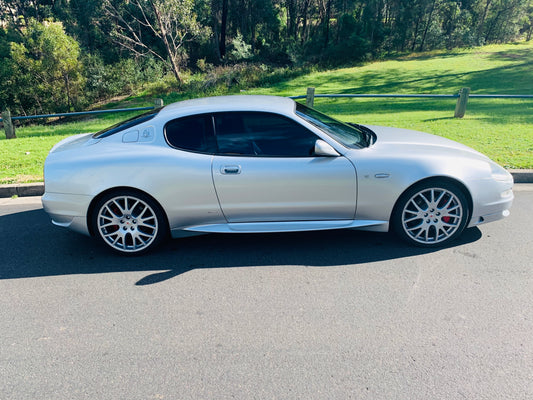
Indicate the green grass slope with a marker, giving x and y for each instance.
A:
(500, 128)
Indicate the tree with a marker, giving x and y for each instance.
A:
(46, 70)
(527, 22)
(18, 12)
(502, 23)
(223, 27)
(159, 28)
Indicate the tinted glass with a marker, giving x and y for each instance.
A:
(346, 134)
(193, 133)
(129, 123)
(262, 134)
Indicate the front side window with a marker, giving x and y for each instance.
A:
(262, 134)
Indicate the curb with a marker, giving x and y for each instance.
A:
(522, 175)
(22, 190)
(37, 189)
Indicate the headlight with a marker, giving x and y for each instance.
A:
(499, 173)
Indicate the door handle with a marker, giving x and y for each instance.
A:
(231, 169)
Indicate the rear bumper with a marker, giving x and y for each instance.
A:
(68, 210)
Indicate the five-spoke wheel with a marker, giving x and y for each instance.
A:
(129, 222)
(430, 214)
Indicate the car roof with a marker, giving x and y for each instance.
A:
(275, 104)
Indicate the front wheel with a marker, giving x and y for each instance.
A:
(129, 223)
(431, 214)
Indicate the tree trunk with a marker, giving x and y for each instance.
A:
(67, 87)
(171, 52)
(428, 24)
(175, 70)
(305, 17)
(483, 16)
(492, 26)
(326, 22)
(291, 19)
(415, 35)
(223, 25)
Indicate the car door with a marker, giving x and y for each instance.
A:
(265, 170)
(191, 198)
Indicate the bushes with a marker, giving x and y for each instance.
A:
(232, 78)
(121, 78)
(43, 70)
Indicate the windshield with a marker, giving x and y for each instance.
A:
(345, 134)
(139, 119)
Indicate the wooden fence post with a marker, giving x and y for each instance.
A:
(310, 99)
(460, 107)
(8, 124)
(158, 103)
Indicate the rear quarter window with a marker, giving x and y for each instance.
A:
(194, 133)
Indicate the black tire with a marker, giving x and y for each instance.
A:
(129, 222)
(431, 214)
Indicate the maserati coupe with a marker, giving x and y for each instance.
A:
(258, 164)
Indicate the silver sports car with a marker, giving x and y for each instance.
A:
(259, 164)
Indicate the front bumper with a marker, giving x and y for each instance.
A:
(492, 203)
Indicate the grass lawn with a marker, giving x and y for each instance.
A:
(502, 129)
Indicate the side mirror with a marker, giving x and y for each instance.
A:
(324, 149)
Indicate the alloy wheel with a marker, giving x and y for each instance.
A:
(432, 215)
(127, 224)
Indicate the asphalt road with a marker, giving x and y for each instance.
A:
(327, 315)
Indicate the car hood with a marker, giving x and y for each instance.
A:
(399, 140)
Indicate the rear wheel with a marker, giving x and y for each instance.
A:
(431, 214)
(129, 223)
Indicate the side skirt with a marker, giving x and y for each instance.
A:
(272, 227)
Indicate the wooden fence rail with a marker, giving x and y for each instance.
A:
(460, 107)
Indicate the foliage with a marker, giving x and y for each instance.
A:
(240, 50)
(41, 42)
(159, 28)
(44, 69)
(6, 72)
(123, 77)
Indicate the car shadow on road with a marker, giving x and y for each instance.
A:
(32, 247)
